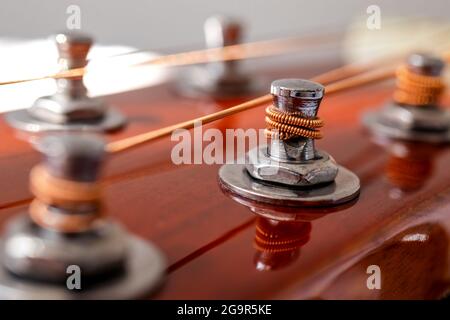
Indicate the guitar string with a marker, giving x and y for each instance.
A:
(365, 78)
(339, 86)
(234, 52)
(227, 53)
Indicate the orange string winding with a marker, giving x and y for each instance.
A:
(51, 193)
(417, 90)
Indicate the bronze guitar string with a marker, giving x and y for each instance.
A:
(349, 83)
(233, 52)
(287, 125)
(227, 53)
(52, 194)
(417, 90)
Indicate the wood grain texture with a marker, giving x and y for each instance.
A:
(209, 238)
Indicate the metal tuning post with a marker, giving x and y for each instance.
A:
(66, 226)
(289, 170)
(69, 108)
(414, 114)
(219, 79)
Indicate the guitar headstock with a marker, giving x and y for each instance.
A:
(294, 180)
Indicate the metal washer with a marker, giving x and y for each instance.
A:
(23, 120)
(145, 268)
(345, 187)
(196, 82)
(374, 123)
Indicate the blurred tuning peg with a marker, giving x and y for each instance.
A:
(220, 79)
(414, 114)
(66, 225)
(70, 108)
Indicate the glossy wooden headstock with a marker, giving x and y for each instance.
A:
(400, 222)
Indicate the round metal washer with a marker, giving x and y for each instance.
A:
(145, 268)
(345, 187)
(23, 120)
(374, 123)
(196, 82)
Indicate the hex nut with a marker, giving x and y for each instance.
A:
(306, 173)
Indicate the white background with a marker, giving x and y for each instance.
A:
(152, 24)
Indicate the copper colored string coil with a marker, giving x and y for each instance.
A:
(279, 246)
(275, 250)
(48, 218)
(57, 191)
(266, 241)
(293, 118)
(288, 125)
(52, 193)
(416, 89)
(284, 237)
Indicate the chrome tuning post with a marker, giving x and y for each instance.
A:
(66, 226)
(69, 108)
(219, 79)
(289, 170)
(414, 114)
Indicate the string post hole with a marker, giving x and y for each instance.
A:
(289, 170)
(70, 107)
(414, 113)
(67, 225)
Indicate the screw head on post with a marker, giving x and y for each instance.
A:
(297, 88)
(425, 64)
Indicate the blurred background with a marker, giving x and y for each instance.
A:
(152, 24)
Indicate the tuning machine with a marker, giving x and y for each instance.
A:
(219, 79)
(70, 108)
(66, 227)
(289, 171)
(414, 114)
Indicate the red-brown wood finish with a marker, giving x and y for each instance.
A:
(401, 221)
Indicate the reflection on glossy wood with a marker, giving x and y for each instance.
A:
(209, 237)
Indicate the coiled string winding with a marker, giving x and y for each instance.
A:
(416, 89)
(52, 193)
(285, 125)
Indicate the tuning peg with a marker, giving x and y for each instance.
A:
(279, 161)
(222, 31)
(67, 225)
(73, 47)
(414, 112)
(73, 157)
(70, 108)
(220, 79)
(274, 172)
